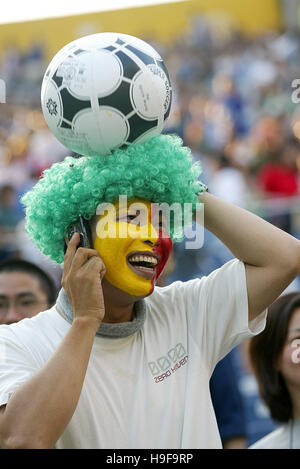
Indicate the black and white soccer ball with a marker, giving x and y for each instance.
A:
(106, 91)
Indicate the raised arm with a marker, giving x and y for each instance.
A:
(271, 256)
(40, 409)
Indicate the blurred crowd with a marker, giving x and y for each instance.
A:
(27, 147)
(232, 105)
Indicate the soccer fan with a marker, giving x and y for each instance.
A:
(118, 362)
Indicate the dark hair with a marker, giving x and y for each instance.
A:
(265, 350)
(47, 285)
(292, 141)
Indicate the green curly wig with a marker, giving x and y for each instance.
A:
(159, 170)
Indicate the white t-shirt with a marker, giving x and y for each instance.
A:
(285, 437)
(150, 389)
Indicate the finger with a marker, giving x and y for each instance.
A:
(71, 251)
(94, 264)
(82, 256)
(102, 273)
(93, 268)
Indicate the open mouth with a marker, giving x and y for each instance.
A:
(143, 263)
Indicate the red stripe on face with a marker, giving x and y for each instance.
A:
(163, 249)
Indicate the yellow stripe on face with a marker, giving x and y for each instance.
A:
(119, 240)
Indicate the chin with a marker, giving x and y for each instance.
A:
(138, 292)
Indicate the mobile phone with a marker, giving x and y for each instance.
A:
(82, 227)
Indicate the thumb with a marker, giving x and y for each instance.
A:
(102, 273)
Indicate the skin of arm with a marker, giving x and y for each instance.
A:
(237, 442)
(271, 256)
(40, 409)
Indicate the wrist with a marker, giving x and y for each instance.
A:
(86, 323)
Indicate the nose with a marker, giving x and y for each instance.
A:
(12, 315)
(149, 235)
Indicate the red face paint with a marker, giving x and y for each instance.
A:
(163, 249)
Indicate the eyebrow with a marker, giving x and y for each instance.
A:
(297, 329)
(20, 295)
(130, 211)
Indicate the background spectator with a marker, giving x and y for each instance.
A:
(25, 290)
(275, 357)
(10, 215)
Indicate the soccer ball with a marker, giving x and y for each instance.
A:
(105, 91)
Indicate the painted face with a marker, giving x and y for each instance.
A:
(133, 247)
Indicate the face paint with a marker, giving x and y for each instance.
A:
(126, 247)
(163, 250)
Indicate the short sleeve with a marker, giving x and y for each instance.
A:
(17, 365)
(217, 311)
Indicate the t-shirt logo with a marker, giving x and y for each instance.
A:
(167, 364)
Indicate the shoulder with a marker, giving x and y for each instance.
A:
(175, 294)
(232, 271)
(278, 439)
(169, 291)
(164, 299)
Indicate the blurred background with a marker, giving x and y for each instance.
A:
(233, 67)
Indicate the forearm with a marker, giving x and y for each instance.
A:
(249, 237)
(38, 412)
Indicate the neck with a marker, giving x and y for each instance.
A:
(118, 304)
(123, 318)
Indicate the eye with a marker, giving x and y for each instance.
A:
(296, 338)
(131, 217)
(126, 217)
(294, 341)
(27, 302)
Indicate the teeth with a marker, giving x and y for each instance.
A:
(138, 258)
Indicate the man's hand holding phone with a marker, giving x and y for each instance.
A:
(82, 277)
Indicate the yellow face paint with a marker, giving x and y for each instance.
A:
(122, 235)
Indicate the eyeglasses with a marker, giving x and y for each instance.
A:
(21, 305)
